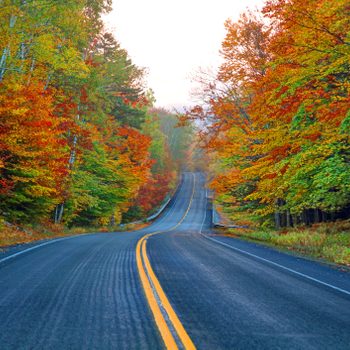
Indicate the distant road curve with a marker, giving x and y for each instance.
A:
(212, 292)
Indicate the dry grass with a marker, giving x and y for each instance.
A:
(330, 241)
(12, 235)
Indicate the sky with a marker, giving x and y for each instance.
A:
(173, 39)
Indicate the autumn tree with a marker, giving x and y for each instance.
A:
(276, 115)
(75, 144)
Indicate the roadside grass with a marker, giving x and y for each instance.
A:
(11, 235)
(330, 241)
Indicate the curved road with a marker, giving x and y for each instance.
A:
(86, 292)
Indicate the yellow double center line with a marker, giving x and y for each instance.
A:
(155, 294)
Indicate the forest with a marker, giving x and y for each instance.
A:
(276, 116)
(80, 141)
(82, 144)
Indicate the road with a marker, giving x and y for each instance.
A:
(175, 284)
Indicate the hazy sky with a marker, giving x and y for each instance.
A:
(172, 39)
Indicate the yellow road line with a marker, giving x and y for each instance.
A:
(147, 272)
(180, 330)
(164, 330)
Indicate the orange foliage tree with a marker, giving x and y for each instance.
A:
(33, 152)
(72, 111)
(277, 113)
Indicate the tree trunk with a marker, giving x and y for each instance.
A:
(5, 53)
(6, 50)
(277, 220)
(31, 71)
(48, 79)
(73, 151)
(288, 219)
(317, 215)
(56, 214)
(112, 220)
(59, 213)
(278, 215)
(304, 217)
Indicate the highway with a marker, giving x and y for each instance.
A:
(175, 284)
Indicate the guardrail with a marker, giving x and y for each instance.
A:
(166, 202)
(154, 216)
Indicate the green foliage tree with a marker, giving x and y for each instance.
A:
(77, 142)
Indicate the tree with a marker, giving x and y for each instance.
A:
(276, 115)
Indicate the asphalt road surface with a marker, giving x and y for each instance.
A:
(97, 291)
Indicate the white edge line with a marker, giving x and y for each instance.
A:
(269, 261)
(38, 246)
(205, 211)
(278, 265)
(64, 238)
(162, 218)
